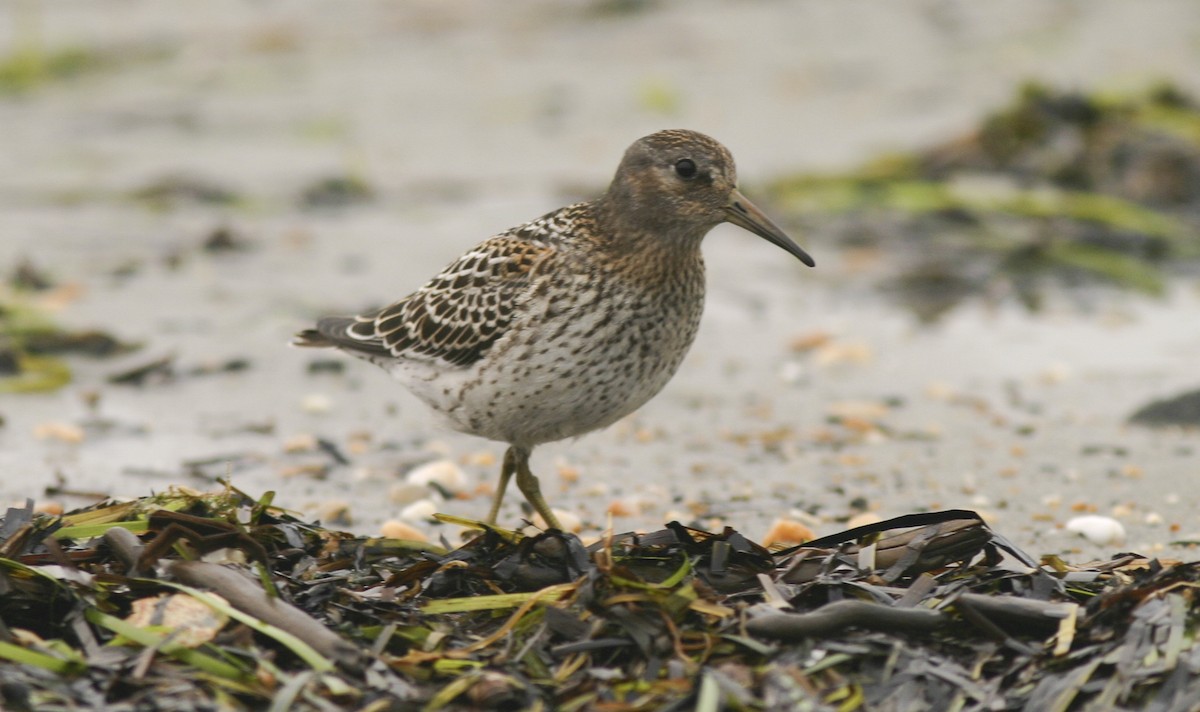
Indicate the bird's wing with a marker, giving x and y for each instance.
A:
(456, 317)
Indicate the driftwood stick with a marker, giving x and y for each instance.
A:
(126, 547)
(840, 615)
(245, 594)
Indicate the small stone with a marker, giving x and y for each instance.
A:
(1097, 529)
(862, 519)
(569, 521)
(1056, 373)
(1133, 472)
(396, 529)
(49, 507)
(792, 372)
(358, 443)
(568, 474)
(839, 353)
(620, 508)
(64, 432)
(483, 458)
(316, 404)
(596, 489)
(335, 512)
(444, 473)
(305, 442)
(420, 511)
(860, 410)
(810, 341)
(1122, 511)
(788, 531)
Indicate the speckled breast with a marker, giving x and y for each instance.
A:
(589, 351)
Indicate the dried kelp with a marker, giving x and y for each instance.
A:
(203, 601)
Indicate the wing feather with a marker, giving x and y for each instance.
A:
(458, 315)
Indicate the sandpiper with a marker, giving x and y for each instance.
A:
(570, 322)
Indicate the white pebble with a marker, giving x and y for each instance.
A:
(569, 520)
(443, 473)
(316, 403)
(791, 372)
(1057, 373)
(1153, 519)
(420, 511)
(1097, 529)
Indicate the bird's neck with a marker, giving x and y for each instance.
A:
(648, 248)
(635, 228)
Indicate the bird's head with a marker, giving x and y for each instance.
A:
(681, 184)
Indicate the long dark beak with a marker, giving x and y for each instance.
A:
(744, 214)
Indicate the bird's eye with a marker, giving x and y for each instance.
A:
(685, 168)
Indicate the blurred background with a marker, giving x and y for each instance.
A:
(1003, 200)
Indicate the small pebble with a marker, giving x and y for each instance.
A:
(316, 404)
(862, 519)
(569, 520)
(788, 531)
(791, 372)
(64, 432)
(1154, 519)
(1056, 373)
(1133, 472)
(49, 507)
(483, 458)
(620, 508)
(676, 515)
(1097, 529)
(810, 341)
(225, 555)
(1122, 511)
(838, 353)
(596, 489)
(941, 391)
(358, 443)
(444, 473)
(396, 529)
(861, 410)
(334, 512)
(305, 442)
(420, 511)
(568, 474)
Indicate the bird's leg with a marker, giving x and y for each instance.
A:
(506, 472)
(528, 484)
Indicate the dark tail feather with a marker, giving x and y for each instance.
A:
(312, 338)
(332, 332)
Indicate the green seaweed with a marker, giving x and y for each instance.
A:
(846, 193)
(36, 374)
(28, 68)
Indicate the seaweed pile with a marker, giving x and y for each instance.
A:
(196, 601)
(1063, 187)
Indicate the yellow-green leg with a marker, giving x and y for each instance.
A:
(528, 484)
(506, 473)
